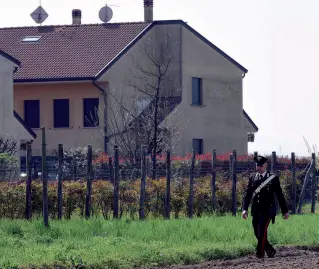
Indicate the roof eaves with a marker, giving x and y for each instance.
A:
(250, 120)
(24, 124)
(10, 58)
(126, 49)
(57, 79)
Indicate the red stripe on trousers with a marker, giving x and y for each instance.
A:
(264, 238)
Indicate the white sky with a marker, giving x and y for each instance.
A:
(276, 40)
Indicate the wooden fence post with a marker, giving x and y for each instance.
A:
(111, 178)
(143, 183)
(234, 183)
(29, 182)
(273, 170)
(273, 162)
(168, 186)
(45, 180)
(213, 182)
(74, 167)
(116, 182)
(314, 184)
(191, 187)
(88, 197)
(293, 170)
(304, 186)
(60, 175)
(231, 161)
(255, 155)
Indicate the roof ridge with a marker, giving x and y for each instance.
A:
(73, 25)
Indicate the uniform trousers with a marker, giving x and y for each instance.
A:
(260, 224)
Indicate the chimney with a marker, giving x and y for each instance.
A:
(76, 16)
(148, 10)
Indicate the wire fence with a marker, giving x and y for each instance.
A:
(191, 183)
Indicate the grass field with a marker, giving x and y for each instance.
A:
(125, 243)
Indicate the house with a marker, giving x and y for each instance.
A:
(12, 126)
(70, 73)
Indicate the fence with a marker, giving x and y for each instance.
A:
(193, 183)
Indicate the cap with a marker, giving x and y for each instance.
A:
(260, 160)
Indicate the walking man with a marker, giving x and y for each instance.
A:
(261, 189)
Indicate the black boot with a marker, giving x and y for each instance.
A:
(271, 252)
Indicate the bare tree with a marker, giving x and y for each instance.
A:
(139, 115)
(8, 145)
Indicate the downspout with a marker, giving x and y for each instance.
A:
(105, 115)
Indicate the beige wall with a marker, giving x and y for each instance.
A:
(76, 135)
(9, 126)
(123, 73)
(219, 121)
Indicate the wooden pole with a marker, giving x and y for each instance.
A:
(231, 162)
(29, 182)
(45, 180)
(304, 186)
(255, 155)
(273, 162)
(314, 184)
(213, 182)
(168, 186)
(273, 170)
(234, 182)
(111, 170)
(191, 187)
(88, 200)
(60, 175)
(116, 182)
(143, 183)
(74, 167)
(293, 170)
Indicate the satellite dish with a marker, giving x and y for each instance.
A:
(105, 14)
(39, 15)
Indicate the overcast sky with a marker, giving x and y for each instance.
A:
(276, 40)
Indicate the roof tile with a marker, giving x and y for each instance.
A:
(67, 51)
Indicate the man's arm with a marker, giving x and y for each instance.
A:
(280, 196)
(247, 195)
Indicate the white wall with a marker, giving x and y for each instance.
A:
(9, 126)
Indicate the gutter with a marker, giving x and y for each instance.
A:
(103, 91)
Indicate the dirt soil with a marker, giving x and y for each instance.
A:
(286, 257)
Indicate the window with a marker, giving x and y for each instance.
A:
(31, 39)
(198, 145)
(197, 91)
(61, 113)
(32, 113)
(91, 112)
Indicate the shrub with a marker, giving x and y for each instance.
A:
(9, 168)
(12, 196)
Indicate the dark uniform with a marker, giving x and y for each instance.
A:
(263, 208)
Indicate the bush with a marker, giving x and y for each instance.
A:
(12, 196)
(9, 168)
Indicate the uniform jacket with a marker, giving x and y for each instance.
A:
(264, 201)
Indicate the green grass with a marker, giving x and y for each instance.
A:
(125, 243)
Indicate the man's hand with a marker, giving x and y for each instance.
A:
(285, 216)
(244, 214)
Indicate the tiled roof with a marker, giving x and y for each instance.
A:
(68, 51)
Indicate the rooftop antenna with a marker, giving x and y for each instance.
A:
(39, 15)
(106, 13)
